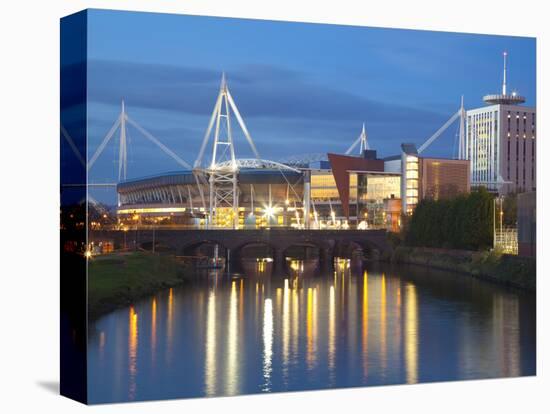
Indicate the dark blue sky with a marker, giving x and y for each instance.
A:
(301, 88)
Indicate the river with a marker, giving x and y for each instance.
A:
(360, 325)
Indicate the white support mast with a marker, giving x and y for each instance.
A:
(364, 142)
(159, 144)
(361, 139)
(104, 143)
(462, 140)
(223, 169)
(121, 122)
(429, 141)
(73, 146)
(190, 197)
(223, 181)
(461, 116)
(122, 152)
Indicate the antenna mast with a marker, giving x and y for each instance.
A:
(504, 54)
(504, 98)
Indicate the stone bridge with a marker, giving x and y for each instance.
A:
(233, 241)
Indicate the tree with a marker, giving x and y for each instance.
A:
(463, 222)
(510, 209)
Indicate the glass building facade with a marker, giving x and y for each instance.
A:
(373, 191)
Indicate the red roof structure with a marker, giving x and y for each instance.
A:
(341, 165)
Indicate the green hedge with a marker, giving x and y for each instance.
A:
(464, 222)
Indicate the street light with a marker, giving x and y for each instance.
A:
(269, 211)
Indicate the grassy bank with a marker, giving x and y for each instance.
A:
(119, 279)
(502, 268)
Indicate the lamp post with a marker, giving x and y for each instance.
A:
(153, 239)
(494, 223)
(498, 237)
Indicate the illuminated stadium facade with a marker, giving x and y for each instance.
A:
(266, 198)
(340, 192)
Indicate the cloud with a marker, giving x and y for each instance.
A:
(285, 112)
(259, 91)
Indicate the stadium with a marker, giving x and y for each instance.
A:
(323, 191)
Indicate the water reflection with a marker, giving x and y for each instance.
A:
(231, 375)
(411, 334)
(311, 328)
(102, 347)
(132, 352)
(286, 330)
(331, 335)
(257, 267)
(295, 322)
(383, 325)
(153, 330)
(365, 327)
(352, 327)
(210, 373)
(506, 322)
(268, 344)
(170, 326)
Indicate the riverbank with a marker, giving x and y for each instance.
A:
(501, 268)
(119, 279)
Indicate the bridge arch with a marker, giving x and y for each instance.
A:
(259, 247)
(194, 248)
(369, 249)
(302, 248)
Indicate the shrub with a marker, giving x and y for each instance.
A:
(464, 222)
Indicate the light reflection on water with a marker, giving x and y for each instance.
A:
(231, 376)
(411, 331)
(153, 330)
(365, 321)
(350, 327)
(210, 360)
(268, 344)
(132, 351)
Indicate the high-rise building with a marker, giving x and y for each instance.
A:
(501, 143)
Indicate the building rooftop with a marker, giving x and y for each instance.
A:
(409, 149)
(246, 176)
(500, 99)
(392, 157)
(504, 98)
